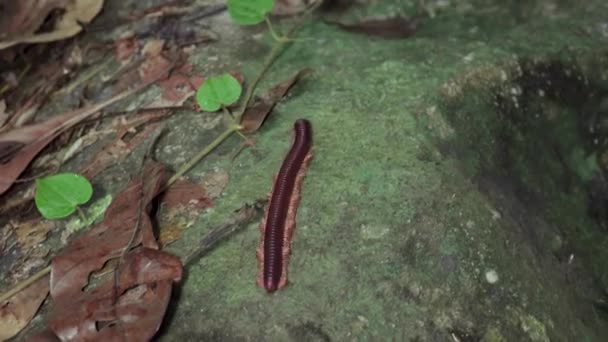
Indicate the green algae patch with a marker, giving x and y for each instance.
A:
(410, 226)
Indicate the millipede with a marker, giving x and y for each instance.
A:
(279, 221)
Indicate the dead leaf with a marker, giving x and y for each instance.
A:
(125, 48)
(144, 291)
(389, 28)
(133, 309)
(19, 146)
(18, 311)
(153, 47)
(122, 146)
(256, 113)
(186, 193)
(155, 68)
(184, 201)
(20, 20)
(31, 232)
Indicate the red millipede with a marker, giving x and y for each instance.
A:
(278, 224)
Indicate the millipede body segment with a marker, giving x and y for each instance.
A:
(279, 223)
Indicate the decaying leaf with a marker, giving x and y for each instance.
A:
(257, 112)
(185, 193)
(31, 232)
(19, 20)
(389, 28)
(19, 146)
(131, 309)
(19, 310)
(184, 201)
(125, 48)
(180, 86)
(122, 146)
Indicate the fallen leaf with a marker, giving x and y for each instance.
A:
(25, 17)
(31, 232)
(155, 68)
(20, 20)
(255, 115)
(19, 146)
(18, 311)
(122, 146)
(153, 47)
(183, 203)
(132, 308)
(125, 48)
(390, 28)
(186, 193)
(143, 289)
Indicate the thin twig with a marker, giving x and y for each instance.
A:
(22, 285)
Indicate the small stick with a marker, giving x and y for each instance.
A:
(22, 285)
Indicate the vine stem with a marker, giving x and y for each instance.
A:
(202, 154)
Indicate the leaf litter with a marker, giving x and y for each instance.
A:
(131, 305)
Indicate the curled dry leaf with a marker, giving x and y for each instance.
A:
(131, 309)
(18, 311)
(389, 28)
(19, 20)
(255, 114)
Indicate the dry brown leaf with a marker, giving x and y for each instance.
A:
(31, 232)
(131, 308)
(20, 20)
(153, 47)
(186, 193)
(184, 201)
(125, 48)
(19, 146)
(256, 114)
(120, 148)
(18, 311)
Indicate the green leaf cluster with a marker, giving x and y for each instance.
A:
(218, 91)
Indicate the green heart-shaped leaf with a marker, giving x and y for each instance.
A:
(249, 12)
(217, 91)
(57, 196)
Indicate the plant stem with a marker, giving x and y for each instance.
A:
(204, 152)
(81, 214)
(22, 285)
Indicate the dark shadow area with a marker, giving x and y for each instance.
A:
(537, 147)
